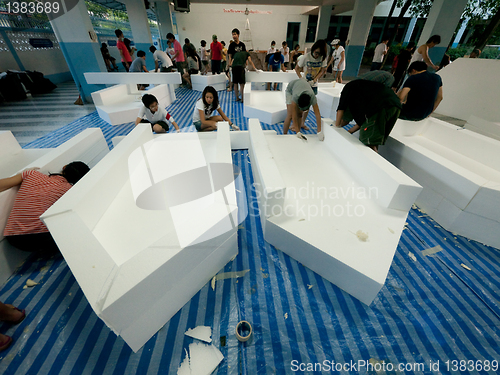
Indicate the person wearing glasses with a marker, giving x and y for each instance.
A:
(313, 64)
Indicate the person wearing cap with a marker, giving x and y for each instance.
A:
(338, 60)
(215, 54)
(299, 97)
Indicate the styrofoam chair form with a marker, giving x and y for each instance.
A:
(458, 170)
(120, 104)
(125, 257)
(89, 146)
(330, 246)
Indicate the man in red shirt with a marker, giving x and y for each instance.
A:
(215, 54)
(125, 55)
(37, 192)
(178, 56)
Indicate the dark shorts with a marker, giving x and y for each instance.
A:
(34, 242)
(197, 125)
(215, 66)
(286, 64)
(376, 129)
(181, 65)
(166, 70)
(205, 62)
(163, 124)
(125, 65)
(193, 71)
(238, 74)
(376, 66)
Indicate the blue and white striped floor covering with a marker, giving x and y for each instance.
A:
(431, 311)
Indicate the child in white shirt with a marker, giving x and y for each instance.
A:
(202, 115)
(158, 117)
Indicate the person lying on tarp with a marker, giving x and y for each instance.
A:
(37, 192)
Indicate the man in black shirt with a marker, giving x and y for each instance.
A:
(238, 72)
(374, 107)
(421, 93)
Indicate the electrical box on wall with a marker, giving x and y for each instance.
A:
(181, 5)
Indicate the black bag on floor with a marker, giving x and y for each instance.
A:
(11, 88)
(40, 84)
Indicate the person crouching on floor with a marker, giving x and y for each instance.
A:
(299, 97)
(157, 116)
(202, 115)
(374, 107)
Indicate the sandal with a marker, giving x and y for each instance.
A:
(18, 320)
(6, 344)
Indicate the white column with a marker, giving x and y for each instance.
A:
(460, 33)
(80, 46)
(409, 31)
(442, 20)
(141, 32)
(164, 18)
(358, 34)
(325, 13)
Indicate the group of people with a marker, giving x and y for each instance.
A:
(369, 101)
(374, 101)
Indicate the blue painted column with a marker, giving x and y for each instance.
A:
(442, 20)
(409, 31)
(325, 13)
(164, 18)
(358, 34)
(80, 47)
(141, 32)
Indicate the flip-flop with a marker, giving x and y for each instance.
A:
(6, 344)
(301, 136)
(18, 320)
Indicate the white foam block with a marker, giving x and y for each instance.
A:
(283, 77)
(328, 99)
(266, 106)
(89, 146)
(119, 253)
(353, 252)
(203, 359)
(481, 126)
(267, 177)
(475, 95)
(101, 78)
(202, 333)
(217, 81)
(458, 169)
(121, 103)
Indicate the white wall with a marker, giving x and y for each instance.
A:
(49, 61)
(204, 20)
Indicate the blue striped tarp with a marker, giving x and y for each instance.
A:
(431, 311)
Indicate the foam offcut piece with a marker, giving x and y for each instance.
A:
(203, 359)
(201, 333)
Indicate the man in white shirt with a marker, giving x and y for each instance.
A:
(378, 56)
(162, 60)
(285, 51)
